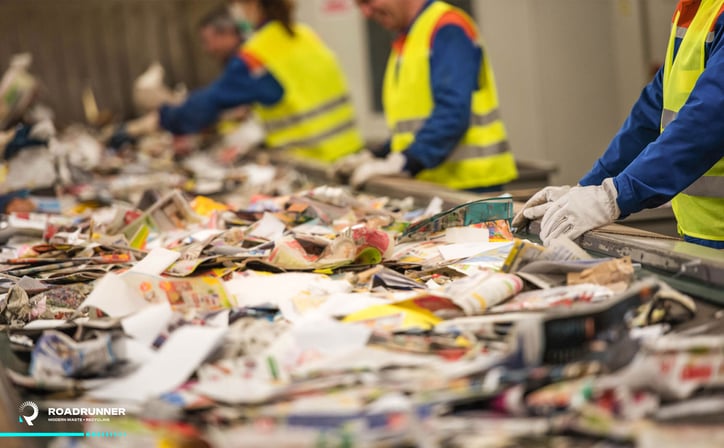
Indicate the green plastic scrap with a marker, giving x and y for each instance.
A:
(484, 210)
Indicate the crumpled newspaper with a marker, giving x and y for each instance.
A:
(16, 309)
(58, 355)
(616, 274)
(250, 336)
(19, 308)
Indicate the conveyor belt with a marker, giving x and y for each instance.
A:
(694, 269)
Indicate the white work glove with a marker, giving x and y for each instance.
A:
(580, 210)
(537, 205)
(343, 168)
(392, 164)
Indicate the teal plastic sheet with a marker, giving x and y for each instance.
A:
(475, 212)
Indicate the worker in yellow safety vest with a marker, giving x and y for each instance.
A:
(221, 38)
(670, 148)
(440, 101)
(291, 78)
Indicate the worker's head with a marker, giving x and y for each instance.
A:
(394, 15)
(220, 34)
(258, 12)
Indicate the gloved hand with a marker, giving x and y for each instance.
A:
(342, 169)
(392, 164)
(580, 210)
(537, 205)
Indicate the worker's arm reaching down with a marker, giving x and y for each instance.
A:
(244, 81)
(650, 168)
(640, 128)
(645, 167)
(638, 131)
(689, 146)
(455, 62)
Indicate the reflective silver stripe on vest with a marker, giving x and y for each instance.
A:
(667, 116)
(415, 125)
(707, 186)
(410, 126)
(466, 152)
(681, 32)
(484, 120)
(316, 139)
(276, 125)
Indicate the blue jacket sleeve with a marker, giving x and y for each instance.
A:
(236, 86)
(455, 62)
(640, 128)
(689, 146)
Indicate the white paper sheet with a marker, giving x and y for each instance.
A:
(466, 250)
(325, 335)
(367, 358)
(219, 320)
(342, 304)
(157, 261)
(259, 174)
(137, 353)
(35, 221)
(145, 325)
(235, 390)
(309, 340)
(204, 234)
(44, 324)
(269, 227)
(313, 227)
(318, 296)
(177, 359)
(280, 288)
(434, 207)
(467, 235)
(114, 297)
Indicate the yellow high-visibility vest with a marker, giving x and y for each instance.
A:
(482, 157)
(315, 117)
(699, 209)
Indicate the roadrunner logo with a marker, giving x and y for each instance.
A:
(24, 417)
